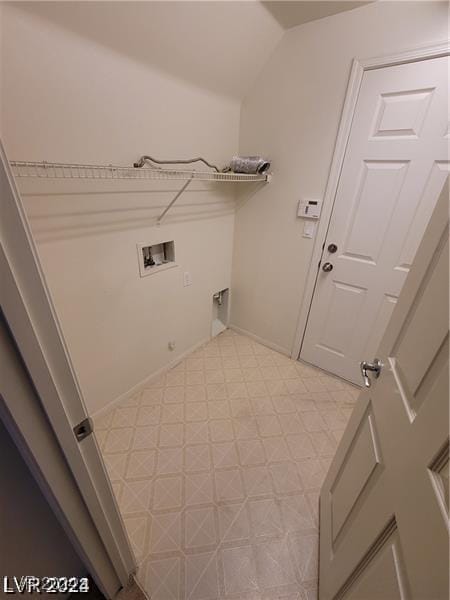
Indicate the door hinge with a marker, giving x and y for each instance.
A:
(83, 429)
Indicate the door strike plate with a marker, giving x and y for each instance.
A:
(83, 429)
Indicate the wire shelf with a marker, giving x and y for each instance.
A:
(48, 170)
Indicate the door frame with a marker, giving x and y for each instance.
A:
(359, 67)
(31, 318)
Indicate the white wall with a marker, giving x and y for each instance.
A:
(292, 115)
(66, 98)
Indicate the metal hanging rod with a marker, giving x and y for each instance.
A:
(49, 170)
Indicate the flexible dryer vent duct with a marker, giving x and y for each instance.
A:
(251, 165)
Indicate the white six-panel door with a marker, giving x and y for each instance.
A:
(395, 164)
(384, 528)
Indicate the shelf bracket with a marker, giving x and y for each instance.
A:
(166, 210)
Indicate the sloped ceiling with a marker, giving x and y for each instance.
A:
(291, 13)
(218, 45)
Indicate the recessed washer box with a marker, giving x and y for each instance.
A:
(156, 257)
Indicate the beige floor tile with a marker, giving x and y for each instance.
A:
(141, 465)
(162, 578)
(221, 430)
(239, 570)
(297, 515)
(172, 413)
(198, 489)
(200, 528)
(135, 497)
(202, 581)
(229, 485)
(197, 432)
(216, 391)
(257, 481)
(118, 440)
(115, 465)
(276, 449)
(165, 535)
(225, 455)
(233, 522)
(148, 415)
(137, 528)
(169, 461)
(217, 466)
(196, 411)
(171, 434)
(251, 452)
(268, 425)
(174, 394)
(262, 406)
(218, 409)
(197, 458)
(312, 472)
(124, 417)
(245, 428)
(151, 396)
(195, 393)
(304, 554)
(265, 518)
(145, 438)
(168, 492)
(285, 477)
(300, 446)
(274, 567)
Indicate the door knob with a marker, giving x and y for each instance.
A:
(332, 248)
(374, 367)
(327, 267)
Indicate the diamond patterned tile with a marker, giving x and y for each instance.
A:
(233, 522)
(217, 466)
(169, 460)
(274, 565)
(197, 458)
(265, 517)
(229, 485)
(200, 528)
(137, 530)
(118, 440)
(161, 578)
(251, 452)
(225, 455)
(145, 438)
(297, 515)
(168, 492)
(202, 581)
(199, 489)
(141, 465)
(239, 570)
(165, 533)
(172, 413)
(257, 481)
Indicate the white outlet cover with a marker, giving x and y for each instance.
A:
(187, 279)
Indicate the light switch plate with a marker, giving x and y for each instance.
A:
(308, 229)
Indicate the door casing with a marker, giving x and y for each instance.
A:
(31, 318)
(356, 75)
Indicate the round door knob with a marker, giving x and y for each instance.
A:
(327, 267)
(332, 248)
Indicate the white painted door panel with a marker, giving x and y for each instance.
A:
(395, 164)
(384, 504)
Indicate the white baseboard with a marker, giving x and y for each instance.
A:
(270, 345)
(144, 382)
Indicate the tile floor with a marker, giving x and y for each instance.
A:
(217, 467)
